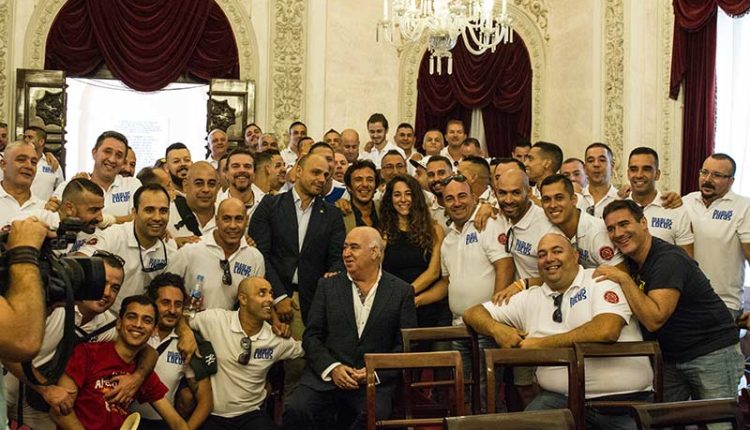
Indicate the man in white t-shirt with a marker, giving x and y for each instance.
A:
(721, 224)
(217, 146)
(47, 177)
(455, 134)
(571, 306)
(599, 192)
(240, 172)
(377, 127)
(246, 347)
(19, 166)
(192, 216)
(671, 225)
(297, 130)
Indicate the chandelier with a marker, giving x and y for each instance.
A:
(442, 21)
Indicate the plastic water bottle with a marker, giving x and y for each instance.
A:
(196, 297)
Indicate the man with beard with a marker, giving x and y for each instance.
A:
(140, 242)
(350, 145)
(377, 128)
(599, 192)
(721, 224)
(438, 169)
(544, 159)
(19, 167)
(270, 171)
(333, 190)
(217, 146)
(240, 173)
(193, 216)
(246, 347)
(223, 257)
(341, 165)
(177, 164)
(361, 181)
(128, 168)
(252, 134)
(455, 134)
(476, 170)
(90, 372)
(168, 292)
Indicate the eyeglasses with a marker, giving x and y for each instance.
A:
(107, 254)
(708, 174)
(509, 239)
(159, 265)
(226, 277)
(458, 177)
(557, 314)
(246, 345)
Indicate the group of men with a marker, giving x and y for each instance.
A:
(280, 252)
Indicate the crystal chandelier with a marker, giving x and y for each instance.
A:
(442, 21)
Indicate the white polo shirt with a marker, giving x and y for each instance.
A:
(289, 157)
(202, 258)
(524, 239)
(10, 209)
(601, 204)
(467, 257)
(175, 219)
(438, 213)
(46, 180)
(669, 225)
(489, 196)
(531, 311)
(118, 198)
(720, 230)
(593, 244)
(237, 388)
(170, 367)
(444, 152)
(258, 195)
(376, 156)
(120, 239)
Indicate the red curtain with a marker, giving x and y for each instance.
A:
(145, 43)
(694, 63)
(499, 83)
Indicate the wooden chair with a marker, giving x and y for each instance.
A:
(410, 336)
(413, 360)
(693, 412)
(648, 349)
(538, 357)
(553, 419)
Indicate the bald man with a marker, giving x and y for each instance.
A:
(192, 216)
(336, 338)
(222, 257)
(570, 307)
(246, 348)
(350, 144)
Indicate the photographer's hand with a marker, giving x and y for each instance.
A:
(59, 398)
(28, 232)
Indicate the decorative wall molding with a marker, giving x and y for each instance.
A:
(667, 105)
(288, 51)
(614, 81)
(244, 36)
(35, 41)
(5, 60)
(529, 22)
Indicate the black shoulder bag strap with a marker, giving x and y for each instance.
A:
(188, 217)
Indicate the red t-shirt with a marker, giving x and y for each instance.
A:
(91, 366)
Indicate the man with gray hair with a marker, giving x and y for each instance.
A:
(19, 168)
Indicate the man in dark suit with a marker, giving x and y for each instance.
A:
(354, 313)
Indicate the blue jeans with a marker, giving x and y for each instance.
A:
(464, 347)
(594, 418)
(711, 376)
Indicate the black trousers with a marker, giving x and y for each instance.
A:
(255, 420)
(310, 409)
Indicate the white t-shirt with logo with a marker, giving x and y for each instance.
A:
(46, 179)
(593, 244)
(524, 239)
(669, 225)
(118, 198)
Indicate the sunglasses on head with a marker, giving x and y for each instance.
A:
(458, 177)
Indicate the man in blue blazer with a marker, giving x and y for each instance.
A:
(354, 313)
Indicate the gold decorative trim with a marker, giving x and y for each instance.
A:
(5, 60)
(529, 22)
(664, 145)
(614, 75)
(244, 36)
(288, 51)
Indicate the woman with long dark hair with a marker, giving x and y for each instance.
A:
(413, 248)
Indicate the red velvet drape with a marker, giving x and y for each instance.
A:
(145, 43)
(499, 83)
(694, 62)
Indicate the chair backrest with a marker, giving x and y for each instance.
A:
(553, 419)
(648, 349)
(538, 357)
(413, 360)
(409, 336)
(693, 412)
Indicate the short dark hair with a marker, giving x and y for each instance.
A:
(627, 204)
(508, 160)
(554, 179)
(317, 145)
(405, 125)
(333, 130)
(291, 126)
(166, 279)
(112, 260)
(238, 151)
(600, 145)
(140, 299)
(79, 185)
(3, 125)
(174, 146)
(472, 141)
(521, 143)
(552, 152)
(455, 121)
(378, 117)
(359, 165)
(478, 161)
(263, 158)
(147, 176)
(40, 132)
(644, 150)
(726, 157)
(393, 152)
(439, 158)
(147, 187)
(572, 159)
(250, 125)
(111, 134)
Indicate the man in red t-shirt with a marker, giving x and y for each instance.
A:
(92, 366)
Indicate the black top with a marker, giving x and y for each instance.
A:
(358, 216)
(405, 260)
(701, 322)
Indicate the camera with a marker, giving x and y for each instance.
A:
(63, 277)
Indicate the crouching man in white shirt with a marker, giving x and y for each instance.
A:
(570, 307)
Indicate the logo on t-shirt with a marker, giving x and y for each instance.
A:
(242, 269)
(105, 385)
(46, 169)
(611, 297)
(606, 252)
(722, 215)
(91, 241)
(471, 238)
(263, 353)
(502, 239)
(664, 223)
(121, 197)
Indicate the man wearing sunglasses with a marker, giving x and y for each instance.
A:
(246, 348)
(223, 257)
(569, 307)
